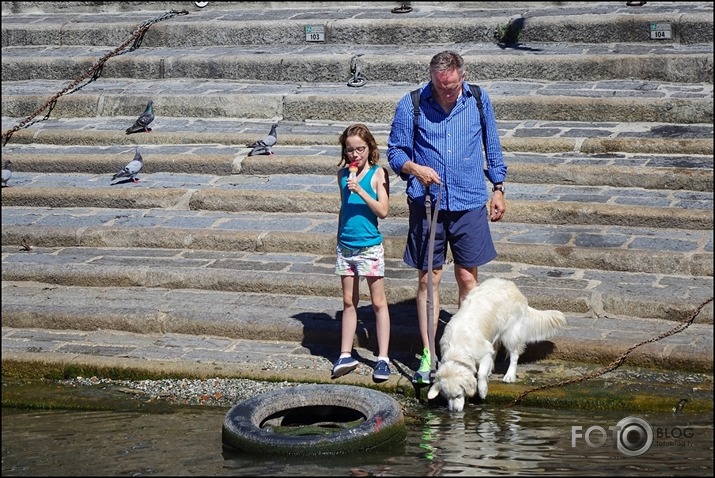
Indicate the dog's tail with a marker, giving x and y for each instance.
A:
(543, 323)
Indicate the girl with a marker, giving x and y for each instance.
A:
(364, 198)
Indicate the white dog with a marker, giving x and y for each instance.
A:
(493, 313)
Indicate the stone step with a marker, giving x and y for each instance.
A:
(607, 101)
(626, 248)
(665, 172)
(540, 204)
(260, 23)
(607, 132)
(658, 296)
(211, 316)
(323, 64)
(320, 137)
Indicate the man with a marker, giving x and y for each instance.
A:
(442, 155)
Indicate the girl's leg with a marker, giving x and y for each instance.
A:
(351, 298)
(382, 314)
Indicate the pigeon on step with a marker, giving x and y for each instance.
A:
(132, 169)
(142, 123)
(6, 172)
(263, 146)
(261, 150)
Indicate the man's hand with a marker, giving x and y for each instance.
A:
(497, 206)
(424, 174)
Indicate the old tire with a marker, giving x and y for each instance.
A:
(247, 426)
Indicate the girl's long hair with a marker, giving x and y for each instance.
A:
(364, 133)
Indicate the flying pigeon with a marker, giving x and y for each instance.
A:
(264, 146)
(132, 169)
(142, 123)
(6, 172)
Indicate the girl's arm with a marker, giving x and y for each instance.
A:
(381, 185)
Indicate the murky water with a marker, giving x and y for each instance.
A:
(481, 441)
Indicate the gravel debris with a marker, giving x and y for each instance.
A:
(221, 392)
(218, 392)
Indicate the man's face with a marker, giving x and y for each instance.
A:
(447, 85)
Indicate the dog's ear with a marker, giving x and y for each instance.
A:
(434, 391)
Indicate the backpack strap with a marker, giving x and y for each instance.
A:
(416, 105)
(477, 92)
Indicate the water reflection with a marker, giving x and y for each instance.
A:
(479, 441)
(490, 440)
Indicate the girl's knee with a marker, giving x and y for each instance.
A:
(379, 306)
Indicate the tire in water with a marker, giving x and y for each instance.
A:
(362, 418)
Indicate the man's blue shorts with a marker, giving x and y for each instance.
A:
(466, 232)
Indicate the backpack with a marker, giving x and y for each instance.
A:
(476, 91)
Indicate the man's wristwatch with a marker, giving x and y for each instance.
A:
(498, 187)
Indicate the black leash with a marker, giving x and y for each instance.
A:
(430, 257)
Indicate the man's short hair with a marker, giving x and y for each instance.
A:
(447, 60)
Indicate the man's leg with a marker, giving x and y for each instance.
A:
(472, 246)
(422, 304)
(466, 280)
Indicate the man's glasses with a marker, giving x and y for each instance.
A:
(358, 150)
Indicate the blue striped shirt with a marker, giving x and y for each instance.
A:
(451, 144)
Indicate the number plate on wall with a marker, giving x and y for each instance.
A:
(660, 31)
(314, 33)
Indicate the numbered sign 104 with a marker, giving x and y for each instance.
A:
(660, 31)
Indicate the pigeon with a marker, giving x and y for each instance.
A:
(264, 146)
(260, 150)
(132, 169)
(6, 172)
(142, 123)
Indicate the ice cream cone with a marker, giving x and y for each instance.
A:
(353, 168)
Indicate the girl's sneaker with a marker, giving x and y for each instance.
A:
(382, 371)
(344, 365)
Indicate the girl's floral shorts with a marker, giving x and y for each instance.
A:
(366, 262)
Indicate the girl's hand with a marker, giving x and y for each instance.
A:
(353, 185)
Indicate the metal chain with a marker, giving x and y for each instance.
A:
(414, 416)
(95, 72)
(619, 361)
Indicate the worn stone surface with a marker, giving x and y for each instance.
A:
(216, 264)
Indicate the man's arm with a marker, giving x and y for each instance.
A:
(400, 143)
(496, 168)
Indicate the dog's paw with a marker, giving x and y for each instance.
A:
(434, 391)
(483, 390)
(509, 378)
